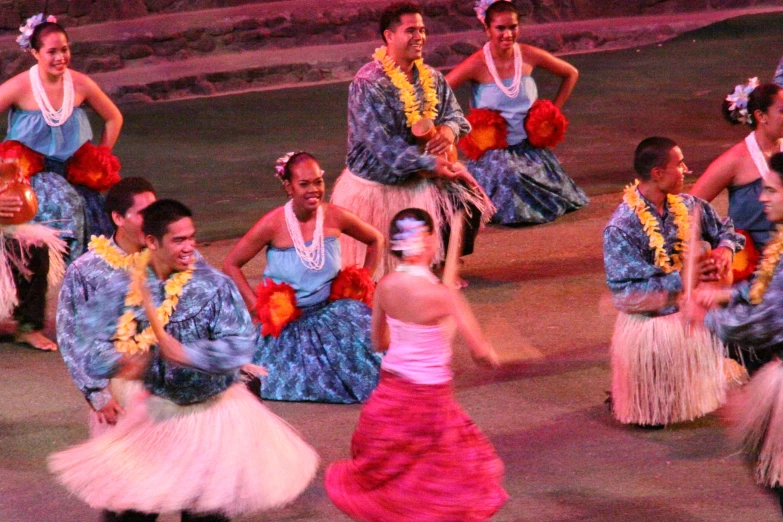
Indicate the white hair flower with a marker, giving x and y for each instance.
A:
(738, 100)
(481, 7)
(29, 26)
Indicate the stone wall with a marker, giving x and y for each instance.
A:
(81, 12)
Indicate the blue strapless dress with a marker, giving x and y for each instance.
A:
(747, 212)
(326, 355)
(76, 211)
(527, 185)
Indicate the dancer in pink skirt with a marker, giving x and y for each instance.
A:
(416, 454)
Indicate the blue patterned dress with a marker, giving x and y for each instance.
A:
(75, 210)
(527, 185)
(326, 355)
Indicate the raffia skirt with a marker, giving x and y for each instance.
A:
(377, 203)
(662, 374)
(755, 413)
(416, 456)
(228, 454)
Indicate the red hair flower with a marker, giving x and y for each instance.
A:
(488, 131)
(29, 161)
(746, 260)
(275, 306)
(94, 167)
(545, 124)
(353, 282)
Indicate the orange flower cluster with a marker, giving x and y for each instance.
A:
(746, 260)
(353, 282)
(489, 131)
(275, 306)
(94, 167)
(29, 161)
(545, 124)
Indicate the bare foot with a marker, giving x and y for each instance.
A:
(37, 340)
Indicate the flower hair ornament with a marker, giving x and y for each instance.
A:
(408, 239)
(482, 6)
(281, 162)
(29, 26)
(738, 101)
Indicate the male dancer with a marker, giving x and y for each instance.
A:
(84, 279)
(195, 440)
(390, 100)
(662, 372)
(751, 315)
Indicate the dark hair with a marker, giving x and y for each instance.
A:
(760, 99)
(415, 213)
(651, 153)
(390, 17)
(159, 215)
(498, 8)
(295, 160)
(776, 165)
(120, 198)
(41, 31)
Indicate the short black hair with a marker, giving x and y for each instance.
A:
(293, 161)
(415, 213)
(776, 165)
(498, 8)
(159, 215)
(41, 31)
(391, 16)
(120, 197)
(651, 153)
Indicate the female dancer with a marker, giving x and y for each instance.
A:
(58, 133)
(742, 168)
(326, 354)
(416, 454)
(526, 184)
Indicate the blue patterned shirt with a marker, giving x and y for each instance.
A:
(753, 326)
(81, 283)
(779, 73)
(629, 262)
(381, 147)
(210, 320)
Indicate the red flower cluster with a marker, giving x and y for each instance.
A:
(275, 306)
(353, 282)
(746, 260)
(545, 124)
(94, 167)
(29, 161)
(489, 131)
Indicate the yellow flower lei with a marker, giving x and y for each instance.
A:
(772, 254)
(126, 338)
(413, 110)
(112, 255)
(650, 224)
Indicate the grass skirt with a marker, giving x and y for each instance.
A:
(417, 456)
(324, 356)
(526, 184)
(377, 203)
(228, 454)
(755, 412)
(661, 374)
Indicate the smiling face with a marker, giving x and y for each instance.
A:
(503, 31)
(174, 251)
(772, 197)
(771, 122)
(670, 177)
(54, 55)
(306, 186)
(406, 43)
(130, 222)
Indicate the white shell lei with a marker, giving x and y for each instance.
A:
(53, 118)
(513, 91)
(757, 156)
(418, 270)
(312, 256)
